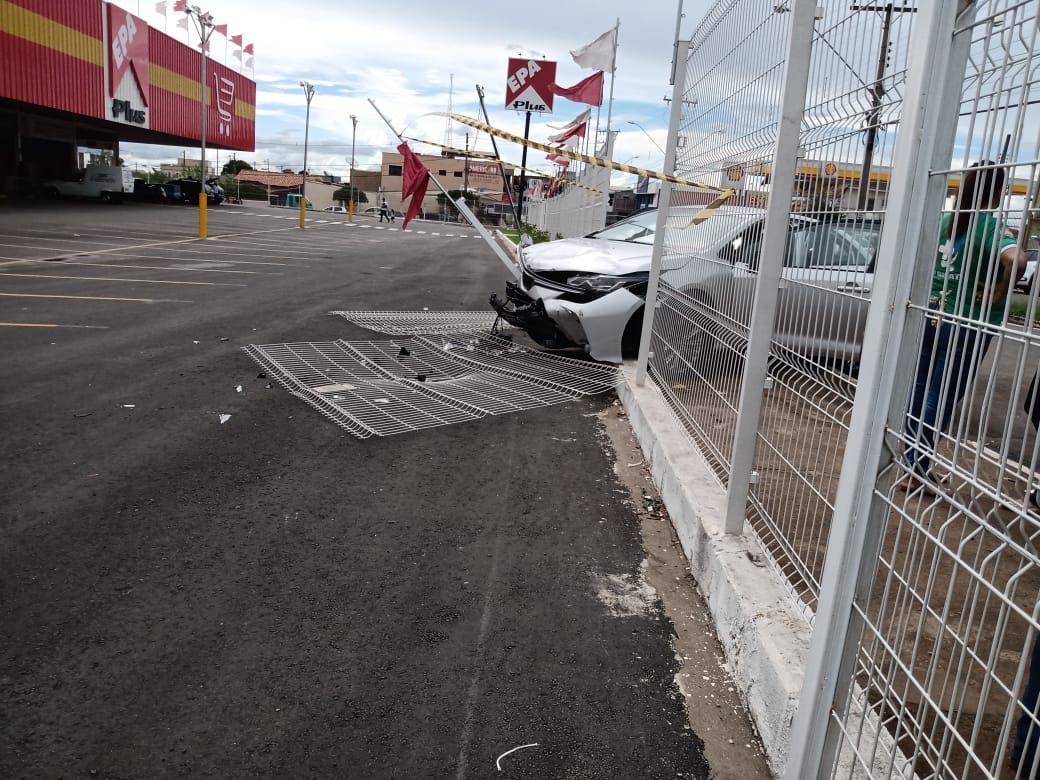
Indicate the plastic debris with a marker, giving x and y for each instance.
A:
(238, 389)
(498, 761)
(129, 406)
(224, 418)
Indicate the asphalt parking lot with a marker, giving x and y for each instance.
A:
(201, 576)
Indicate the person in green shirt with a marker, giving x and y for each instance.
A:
(977, 263)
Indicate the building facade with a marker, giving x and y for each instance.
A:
(78, 77)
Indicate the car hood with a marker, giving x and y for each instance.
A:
(589, 255)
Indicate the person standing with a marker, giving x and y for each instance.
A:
(977, 264)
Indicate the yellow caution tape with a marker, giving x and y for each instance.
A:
(601, 162)
(490, 156)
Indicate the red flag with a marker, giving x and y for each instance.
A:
(248, 49)
(180, 5)
(414, 179)
(588, 90)
(578, 131)
(221, 28)
(236, 39)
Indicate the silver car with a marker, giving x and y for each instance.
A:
(589, 292)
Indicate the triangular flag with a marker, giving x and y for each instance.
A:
(414, 178)
(180, 5)
(183, 22)
(582, 117)
(249, 63)
(566, 134)
(237, 54)
(160, 8)
(222, 29)
(248, 49)
(588, 90)
(599, 54)
(236, 39)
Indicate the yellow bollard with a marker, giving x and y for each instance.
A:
(202, 215)
(350, 211)
(303, 210)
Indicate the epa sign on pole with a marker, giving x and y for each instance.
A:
(529, 85)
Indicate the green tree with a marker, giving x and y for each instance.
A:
(234, 166)
(347, 192)
(471, 198)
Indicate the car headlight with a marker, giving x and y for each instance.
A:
(603, 283)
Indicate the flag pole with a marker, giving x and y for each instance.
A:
(501, 167)
(509, 262)
(609, 149)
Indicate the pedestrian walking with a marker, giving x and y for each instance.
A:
(384, 211)
(977, 264)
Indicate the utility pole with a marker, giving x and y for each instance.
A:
(877, 92)
(465, 170)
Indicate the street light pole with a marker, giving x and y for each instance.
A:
(647, 135)
(308, 91)
(353, 138)
(204, 25)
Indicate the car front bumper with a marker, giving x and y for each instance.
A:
(597, 325)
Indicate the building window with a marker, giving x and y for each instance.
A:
(395, 170)
(442, 172)
(457, 174)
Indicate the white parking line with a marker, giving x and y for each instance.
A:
(118, 279)
(95, 298)
(48, 325)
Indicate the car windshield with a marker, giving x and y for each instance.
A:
(683, 235)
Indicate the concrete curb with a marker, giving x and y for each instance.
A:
(758, 621)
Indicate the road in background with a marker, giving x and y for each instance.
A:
(269, 595)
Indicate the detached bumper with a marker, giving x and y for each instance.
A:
(522, 311)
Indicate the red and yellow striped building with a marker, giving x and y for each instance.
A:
(87, 73)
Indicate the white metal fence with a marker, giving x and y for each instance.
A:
(814, 336)
(574, 211)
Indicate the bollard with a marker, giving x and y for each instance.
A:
(202, 215)
(303, 210)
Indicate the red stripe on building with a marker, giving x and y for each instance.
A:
(42, 76)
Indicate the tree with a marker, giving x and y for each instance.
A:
(346, 192)
(232, 167)
(471, 198)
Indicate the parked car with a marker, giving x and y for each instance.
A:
(107, 183)
(589, 292)
(335, 209)
(189, 190)
(1025, 284)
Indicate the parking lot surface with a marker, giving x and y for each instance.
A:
(201, 576)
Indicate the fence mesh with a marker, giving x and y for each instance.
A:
(947, 616)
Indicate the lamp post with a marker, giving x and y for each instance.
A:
(647, 135)
(204, 24)
(308, 91)
(353, 138)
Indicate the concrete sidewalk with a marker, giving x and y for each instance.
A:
(758, 621)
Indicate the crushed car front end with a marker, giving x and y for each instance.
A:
(579, 293)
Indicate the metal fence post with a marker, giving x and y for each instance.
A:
(682, 54)
(792, 107)
(928, 123)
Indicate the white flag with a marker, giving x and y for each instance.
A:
(598, 55)
(183, 22)
(160, 8)
(237, 54)
(578, 120)
(249, 63)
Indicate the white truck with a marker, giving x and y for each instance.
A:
(107, 182)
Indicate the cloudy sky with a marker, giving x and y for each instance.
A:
(413, 58)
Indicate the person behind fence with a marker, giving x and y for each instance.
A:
(976, 265)
(1027, 730)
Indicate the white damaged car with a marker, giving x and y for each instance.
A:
(589, 292)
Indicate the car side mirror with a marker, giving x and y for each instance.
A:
(525, 240)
